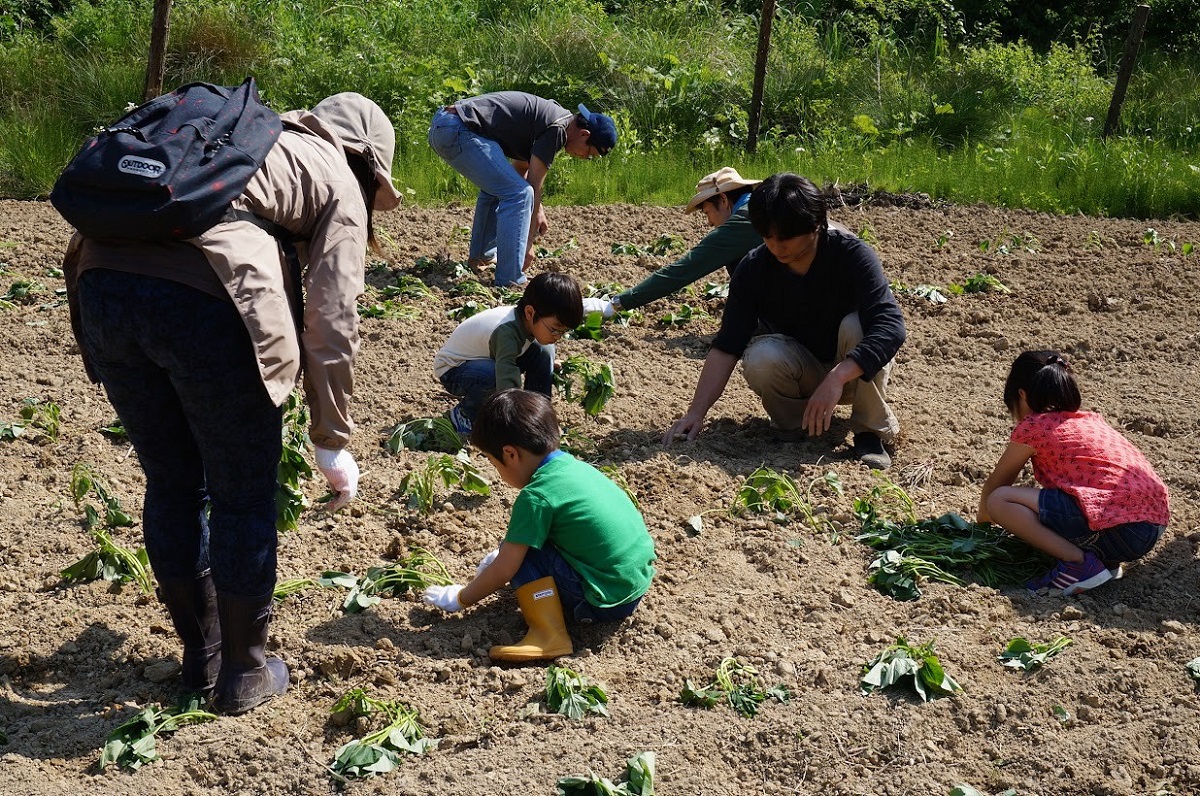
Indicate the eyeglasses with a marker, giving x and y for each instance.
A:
(555, 332)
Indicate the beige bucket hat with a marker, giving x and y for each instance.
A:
(364, 129)
(720, 181)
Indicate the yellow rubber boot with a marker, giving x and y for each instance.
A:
(547, 637)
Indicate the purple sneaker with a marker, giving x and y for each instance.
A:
(1073, 578)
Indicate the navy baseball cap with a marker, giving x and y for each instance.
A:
(602, 128)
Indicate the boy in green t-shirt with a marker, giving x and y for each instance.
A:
(575, 545)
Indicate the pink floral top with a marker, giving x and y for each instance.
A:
(1081, 454)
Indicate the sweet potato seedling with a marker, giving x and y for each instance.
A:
(467, 310)
(736, 683)
(592, 327)
(685, 314)
(930, 293)
(639, 775)
(542, 253)
(414, 572)
(132, 744)
(43, 417)
(570, 693)
(24, 291)
(387, 310)
(914, 665)
(766, 491)
(979, 283)
(1022, 654)
(425, 434)
(420, 487)
(327, 580)
(406, 287)
(576, 443)
(662, 246)
(900, 576)
(380, 751)
(294, 469)
(585, 382)
(109, 561)
(1193, 669)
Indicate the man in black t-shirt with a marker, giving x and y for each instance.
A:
(812, 317)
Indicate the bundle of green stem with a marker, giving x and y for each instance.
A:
(949, 543)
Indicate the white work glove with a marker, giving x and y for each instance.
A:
(444, 597)
(341, 471)
(486, 562)
(603, 306)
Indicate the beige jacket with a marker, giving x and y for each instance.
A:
(305, 186)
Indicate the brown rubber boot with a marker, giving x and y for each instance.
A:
(192, 604)
(547, 637)
(248, 677)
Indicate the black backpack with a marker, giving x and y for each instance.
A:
(169, 169)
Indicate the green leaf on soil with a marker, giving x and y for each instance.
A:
(906, 664)
(1020, 653)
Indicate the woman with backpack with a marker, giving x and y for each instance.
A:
(198, 344)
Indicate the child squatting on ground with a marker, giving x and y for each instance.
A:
(1101, 502)
(576, 548)
(493, 349)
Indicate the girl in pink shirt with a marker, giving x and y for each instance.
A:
(1101, 502)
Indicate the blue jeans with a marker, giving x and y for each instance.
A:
(504, 208)
(1060, 512)
(180, 370)
(475, 379)
(548, 562)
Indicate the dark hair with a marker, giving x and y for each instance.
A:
(1047, 380)
(786, 205)
(733, 194)
(515, 417)
(553, 296)
(364, 173)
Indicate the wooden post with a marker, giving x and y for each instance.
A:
(760, 73)
(156, 66)
(1136, 29)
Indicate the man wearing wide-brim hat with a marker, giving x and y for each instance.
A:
(722, 197)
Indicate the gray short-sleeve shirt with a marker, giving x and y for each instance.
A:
(522, 124)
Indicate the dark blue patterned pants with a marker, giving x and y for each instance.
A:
(180, 370)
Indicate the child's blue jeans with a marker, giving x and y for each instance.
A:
(548, 562)
(1060, 512)
(475, 379)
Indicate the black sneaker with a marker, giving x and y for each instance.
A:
(868, 449)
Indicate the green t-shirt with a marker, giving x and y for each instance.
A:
(592, 523)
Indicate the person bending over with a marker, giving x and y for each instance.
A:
(504, 143)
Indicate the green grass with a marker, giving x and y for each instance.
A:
(963, 120)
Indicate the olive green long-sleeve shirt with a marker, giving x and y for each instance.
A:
(724, 246)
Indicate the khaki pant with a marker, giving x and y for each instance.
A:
(784, 374)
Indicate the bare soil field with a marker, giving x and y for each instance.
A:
(75, 661)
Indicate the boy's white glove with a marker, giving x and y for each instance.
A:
(444, 597)
(341, 471)
(486, 562)
(603, 306)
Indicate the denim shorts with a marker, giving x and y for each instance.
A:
(548, 562)
(1060, 512)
